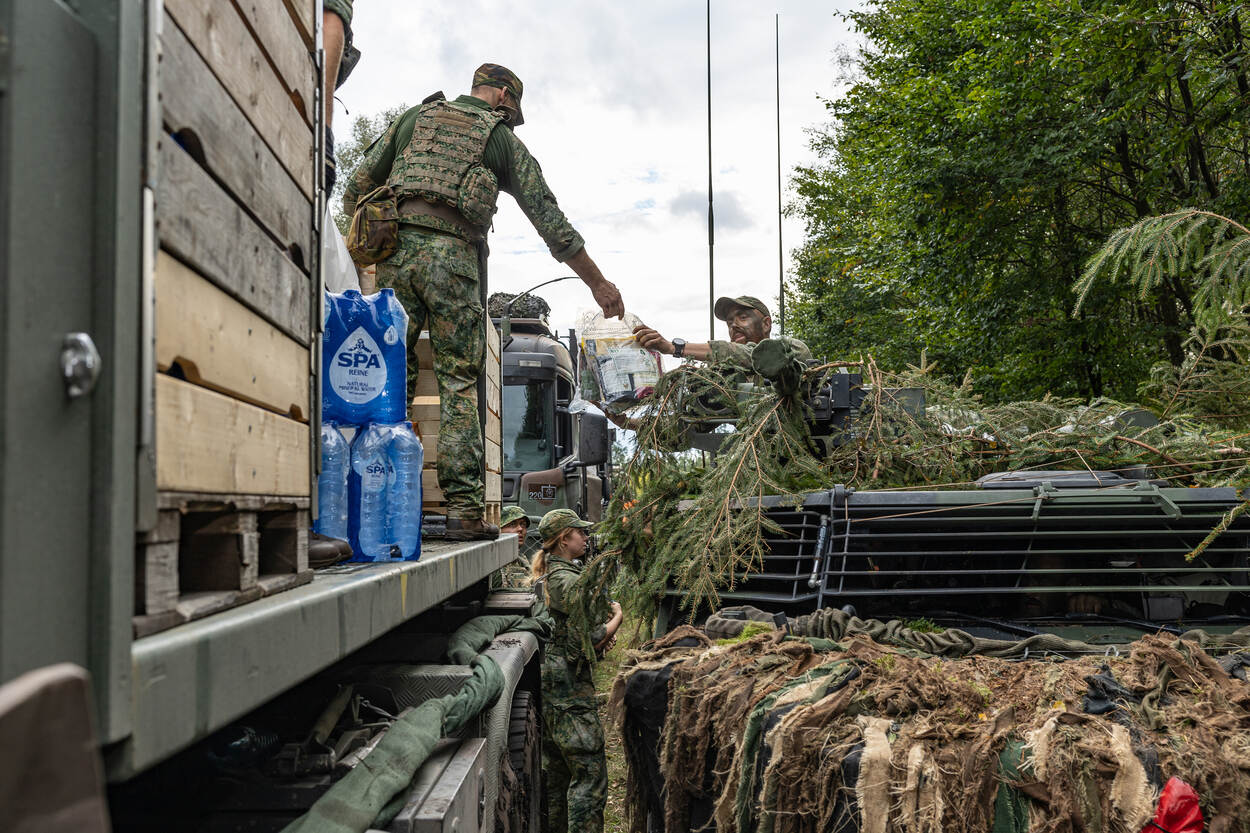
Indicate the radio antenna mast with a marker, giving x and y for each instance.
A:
(781, 262)
(711, 218)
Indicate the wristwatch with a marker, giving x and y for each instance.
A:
(679, 347)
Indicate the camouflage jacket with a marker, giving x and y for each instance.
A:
(561, 584)
(739, 355)
(506, 156)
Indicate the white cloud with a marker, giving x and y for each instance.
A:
(616, 113)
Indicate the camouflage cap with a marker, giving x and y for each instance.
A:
(725, 306)
(494, 75)
(558, 520)
(512, 513)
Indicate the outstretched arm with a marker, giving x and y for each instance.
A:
(652, 340)
(607, 296)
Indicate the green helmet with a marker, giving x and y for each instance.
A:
(558, 520)
(512, 513)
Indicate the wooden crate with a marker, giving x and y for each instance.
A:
(233, 289)
(424, 412)
(211, 552)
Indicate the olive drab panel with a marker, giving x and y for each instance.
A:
(48, 150)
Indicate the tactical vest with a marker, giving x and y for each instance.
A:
(443, 161)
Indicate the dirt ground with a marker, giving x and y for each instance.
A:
(605, 672)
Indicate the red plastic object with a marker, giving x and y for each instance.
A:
(1178, 810)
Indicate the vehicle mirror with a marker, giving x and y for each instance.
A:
(593, 444)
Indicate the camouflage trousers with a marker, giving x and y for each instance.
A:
(435, 277)
(574, 764)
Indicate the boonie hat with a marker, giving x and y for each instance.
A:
(558, 520)
(494, 75)
(512, 513)
(725, 306)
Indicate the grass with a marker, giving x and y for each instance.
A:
(605, 673)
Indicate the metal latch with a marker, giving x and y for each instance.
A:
(80, 364)
(1047, 491)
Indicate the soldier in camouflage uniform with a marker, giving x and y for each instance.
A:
(446, 161)
(514, 520)
(749, 323)
(573, 758)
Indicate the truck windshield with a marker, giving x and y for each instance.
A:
(527, 425)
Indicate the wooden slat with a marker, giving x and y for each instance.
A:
(494, 399)
(493, 458)
(222, 39)
(431, 494)
(207, 442)
(200, 223)
(425, 354)
(425, 409)
(156, 577)
(302, 14)
(492, 341)
(283, 44)
(193, 100)
(218, 342)
(427, 382)
(427, 430)
(494, 487)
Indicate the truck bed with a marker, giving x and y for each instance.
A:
(193, 679)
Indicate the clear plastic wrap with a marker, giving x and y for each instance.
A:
(623, 370)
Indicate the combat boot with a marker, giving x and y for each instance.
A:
(324, 551)
(470, 529)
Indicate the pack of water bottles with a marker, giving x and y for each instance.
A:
(369, 490)
(364, 358)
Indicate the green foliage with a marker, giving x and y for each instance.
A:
(982, 154)
(701, 530)
(350, 150)
(1213, 248)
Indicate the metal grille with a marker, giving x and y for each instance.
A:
(1006, 551)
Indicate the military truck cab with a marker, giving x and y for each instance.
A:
(554, 456)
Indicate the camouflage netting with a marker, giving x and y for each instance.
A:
(782, 734)
(531, 306)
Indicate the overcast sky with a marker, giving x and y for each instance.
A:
(616, 114)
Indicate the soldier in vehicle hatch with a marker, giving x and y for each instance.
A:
(749, 323)
(446, 162)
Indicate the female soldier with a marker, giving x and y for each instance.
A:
(573, 759)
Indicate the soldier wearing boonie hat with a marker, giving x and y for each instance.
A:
(573, 758)
(445, 163)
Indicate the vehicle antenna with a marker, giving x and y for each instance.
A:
(781, 263)
(711, 220)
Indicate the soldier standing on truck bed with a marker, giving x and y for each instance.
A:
(446, 162)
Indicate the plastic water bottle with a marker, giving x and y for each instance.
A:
(367, 494)
(332, 484)
(403, 513)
